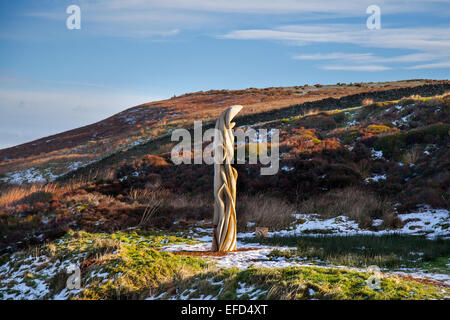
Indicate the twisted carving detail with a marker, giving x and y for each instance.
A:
(225, 176)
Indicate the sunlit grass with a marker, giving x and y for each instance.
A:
(389, 251)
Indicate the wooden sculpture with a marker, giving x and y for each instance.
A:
(225, 176)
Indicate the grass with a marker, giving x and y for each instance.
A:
(122, 265)
(411, 156)
(15, 194)
(295, 283)
(126, 265)
(356, 203)
(388, 251)
(264, 211)
(137, 272)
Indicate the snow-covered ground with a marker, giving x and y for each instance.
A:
(30, 175)
(37, 175)
(258, 256)
(430, 222)
(28, 279)
(375, 178)
(377, 154)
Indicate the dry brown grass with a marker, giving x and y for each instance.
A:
(139, 195)
(363, 167)
(143, 196)
(189, 201)
(153, 199)
(355, 203)
(150, 210)
(411, 156)
(102, 247)
(273, 213)
(107, 174)
(16, 194)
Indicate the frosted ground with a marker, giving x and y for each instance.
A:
(427, 222)
(431, 223)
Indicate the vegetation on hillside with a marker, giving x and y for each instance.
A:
(369, 163)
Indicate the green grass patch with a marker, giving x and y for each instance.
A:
(296, 283)
(125, 265)
(129, 261)
(122, 265)
(388, 251)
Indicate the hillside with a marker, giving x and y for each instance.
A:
(50, 157)
(364, 180)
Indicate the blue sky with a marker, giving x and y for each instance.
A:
(129, 52)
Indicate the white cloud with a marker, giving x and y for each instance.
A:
(151, 33)
(427, 44)
(445, 64)
(154, 17)
(423, 39)
(130, 23)
(367, 57)
(335, 56)
(348, 7)
(240, 6)
(368, 68)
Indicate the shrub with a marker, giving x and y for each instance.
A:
(156, 161)
(377, 128)
(349, 136)
(392, 144)
(339, 117)
(367, 101)
(391, 221)
(39, 196)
